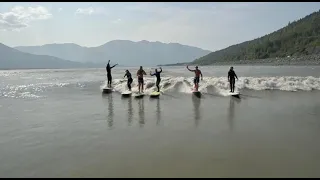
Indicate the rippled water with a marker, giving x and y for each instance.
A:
(57, 123)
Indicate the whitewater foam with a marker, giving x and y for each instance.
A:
(220, 85)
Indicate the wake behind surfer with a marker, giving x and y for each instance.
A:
(108, 69)
(129, 82)
(232, 79)
(196, 79)
(140, 74)
(157, 74)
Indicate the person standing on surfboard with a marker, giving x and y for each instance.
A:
(140, 74)
(232, 79)
(128, 74)
(157, 74)
(197, 77)
(108, 68)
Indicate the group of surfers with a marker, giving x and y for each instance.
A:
(231, 77)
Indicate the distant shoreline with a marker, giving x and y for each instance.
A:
(310, 60)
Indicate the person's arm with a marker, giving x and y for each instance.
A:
(114, 66)
(160, 70)
(125, 75)
(151, 74)
(236, 75)
(190, 69)
(228, 76)
(201, 75)
(144, 72)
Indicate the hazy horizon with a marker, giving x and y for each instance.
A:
(209, 26)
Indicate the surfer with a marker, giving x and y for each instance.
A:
(232, 79)
(128, 74)
(140, 74)
(197, 77)
(157, 74)
(108, 68)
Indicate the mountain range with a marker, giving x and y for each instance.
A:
(123, 52)
(11, 58)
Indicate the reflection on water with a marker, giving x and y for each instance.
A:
(196, 106)
(231, 112)
(110, 111)
(158, 112)
(141, 112)
(130, 112)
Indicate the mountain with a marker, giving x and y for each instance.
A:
(123, 52)
(11, 58)
(298, 38)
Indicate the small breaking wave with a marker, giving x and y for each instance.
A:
(220, 85)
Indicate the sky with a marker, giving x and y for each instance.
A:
(207, 25)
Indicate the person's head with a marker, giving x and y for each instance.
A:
(196, 67)
(156, 70)
(127, 70)
(141, 68)
(109, 61)
(231, 68)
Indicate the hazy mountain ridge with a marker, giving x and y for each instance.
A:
(123, 52)
(11, 58)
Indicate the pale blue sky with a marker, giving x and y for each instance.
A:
(210, 26)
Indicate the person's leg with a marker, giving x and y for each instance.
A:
(139, 82)
(142, 84)
(157, 84)
(129, 84)
(233, 85)
(197, 83)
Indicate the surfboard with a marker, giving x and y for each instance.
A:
(138, 95)
(126, 93)
(107, 90)
(234, 94)
(196, 93)
(155, 94)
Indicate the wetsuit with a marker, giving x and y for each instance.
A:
(128, 74)
(232, 79)
(108, 68)
(157, 74)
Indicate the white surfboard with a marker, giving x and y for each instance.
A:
(138, 95)
(234, 94)
(126, 93)
(155, 94)
(107, 90)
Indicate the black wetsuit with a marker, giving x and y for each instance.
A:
(232, 79)
(157, 74)
(128, 74)
(109, 77)
(108, 68)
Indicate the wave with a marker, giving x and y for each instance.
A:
(220, 85)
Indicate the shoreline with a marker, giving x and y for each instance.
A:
(311, 60)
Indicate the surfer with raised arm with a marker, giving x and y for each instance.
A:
(108, 69)
(232, 79)
(128, 74)
(140, 74)
(196, 79)
(157, 74)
